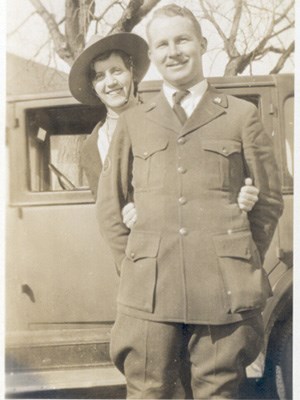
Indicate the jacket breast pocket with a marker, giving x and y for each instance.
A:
(222, 162)
(245, 281)
(149, 165)
(139, 271)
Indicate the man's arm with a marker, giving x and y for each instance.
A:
(113, 192)
(247, 198)
(262, 168)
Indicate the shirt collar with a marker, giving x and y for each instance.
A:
(196, 91)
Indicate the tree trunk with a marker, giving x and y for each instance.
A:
(78, 16)
(237, 65)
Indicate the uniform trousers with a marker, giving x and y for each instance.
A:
(165, 360)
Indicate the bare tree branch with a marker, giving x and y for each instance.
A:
(211, 19)
(248, 29)
(147, 7)
(111, 5)
(134, 13)
(60, 43)
(270, 49)
(280, 63)
(41, 47)
(277, 33)
(21, 24)
(236, 21)
(242, 37)
(78, 16)
(284, 13)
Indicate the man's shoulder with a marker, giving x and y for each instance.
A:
(141, 108)
(231, 102)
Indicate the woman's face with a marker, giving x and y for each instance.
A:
(113, 82)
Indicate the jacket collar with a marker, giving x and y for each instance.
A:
(212, 105)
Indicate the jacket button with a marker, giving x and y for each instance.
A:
(145, 153)
(224, 150)
(229, 292)
(183, 231)
(181, 140)
(182, 200)
(132, 255)
(181, 170)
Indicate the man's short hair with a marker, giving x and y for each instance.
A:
(173, 10)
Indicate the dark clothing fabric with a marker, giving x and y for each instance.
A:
(90, 159)
(192, 285)
(150, 354)
(193, 256)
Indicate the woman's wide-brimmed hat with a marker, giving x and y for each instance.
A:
(79, 77)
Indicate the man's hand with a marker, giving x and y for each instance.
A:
(129, 215)
(248, 196)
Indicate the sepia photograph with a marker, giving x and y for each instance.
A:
(149, 189)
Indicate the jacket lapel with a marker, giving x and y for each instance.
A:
(160, 112)
(211, 106)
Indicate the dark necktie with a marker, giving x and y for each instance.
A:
(177, 107)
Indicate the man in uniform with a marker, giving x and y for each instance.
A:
(192, 283)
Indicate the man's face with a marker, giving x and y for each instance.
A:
(176, 50)
(112, 81)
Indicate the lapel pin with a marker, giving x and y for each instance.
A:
(217, 100)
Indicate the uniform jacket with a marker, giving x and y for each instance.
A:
(193, 256)
(90, 159)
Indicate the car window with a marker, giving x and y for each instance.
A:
(55, 139)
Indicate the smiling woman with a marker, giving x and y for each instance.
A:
(113, 81)
(107, 72)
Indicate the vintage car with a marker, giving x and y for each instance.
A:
(61, 282)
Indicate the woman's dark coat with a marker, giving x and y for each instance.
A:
(90, 159)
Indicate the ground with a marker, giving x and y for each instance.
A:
(252, 390)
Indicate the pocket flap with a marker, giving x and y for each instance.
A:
(224, 147)
(150, 147)
(235, 245)
(142, 245)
